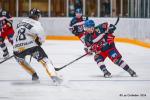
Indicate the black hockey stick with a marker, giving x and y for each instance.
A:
(118, 18)
(6, 59)
(57, 69)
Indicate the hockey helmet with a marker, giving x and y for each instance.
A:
(78, 10)
(34, 13)
(89, 24)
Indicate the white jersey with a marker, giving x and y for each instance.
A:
(26, 32)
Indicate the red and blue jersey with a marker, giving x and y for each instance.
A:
(99, 38)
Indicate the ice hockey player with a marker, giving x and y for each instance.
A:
(28, 38)
(100, 39)
(6, 30)
(77, 25)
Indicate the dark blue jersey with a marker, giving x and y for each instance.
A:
(76, 25)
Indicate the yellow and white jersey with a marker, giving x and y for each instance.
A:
(26, 32)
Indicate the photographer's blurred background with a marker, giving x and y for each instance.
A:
(93, 8)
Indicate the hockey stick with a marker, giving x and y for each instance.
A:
(6, 59)
(118, 18)
(57, 69)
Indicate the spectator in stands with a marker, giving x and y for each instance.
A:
(106, 5)
(73, 5)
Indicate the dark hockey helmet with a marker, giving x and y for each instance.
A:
(78, 10)
(34, 13)
(89, 24)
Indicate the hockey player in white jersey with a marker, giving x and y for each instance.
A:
(28, 39)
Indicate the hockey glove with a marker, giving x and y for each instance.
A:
(37, 41)
(112, 28)
(88, 50)
(75, 32)
(72, 29)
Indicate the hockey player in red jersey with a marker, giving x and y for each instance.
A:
(100, 39)
(76, 25)
(6, 30)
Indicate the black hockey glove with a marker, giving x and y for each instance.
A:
(37, 41)
(73, 31)
(112, 28)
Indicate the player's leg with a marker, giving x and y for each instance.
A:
(41, 57)
(100, 62)
(10, 36)
(20, 57)
(50, 70)
(116, 57)
(3, 47)
(126, 67)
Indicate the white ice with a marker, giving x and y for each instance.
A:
(83, 80)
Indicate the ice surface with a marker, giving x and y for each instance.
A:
(83, 80)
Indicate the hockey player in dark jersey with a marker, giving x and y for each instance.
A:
(76, 25)
(6, 30)
(100, 39)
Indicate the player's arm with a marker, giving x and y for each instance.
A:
(111, 28)
(71, 27)
(40, 39)
(38, 34)
(8, 19)
(102, 28)
(107, 30)
(88, 43)
(109, 36)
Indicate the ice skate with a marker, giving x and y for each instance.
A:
(132, 73)
(6, 55)
(107, 75)
(35, 77)
(56, 80)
